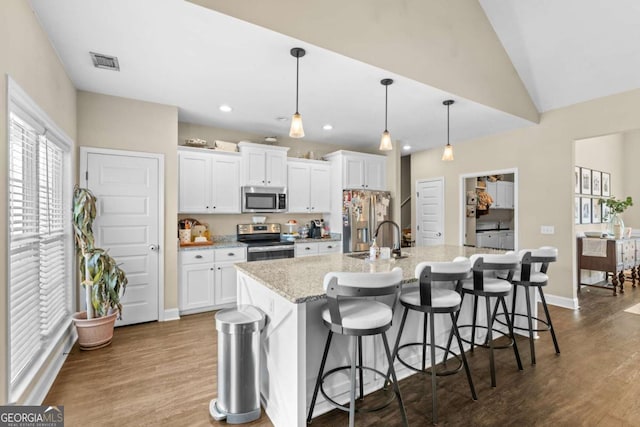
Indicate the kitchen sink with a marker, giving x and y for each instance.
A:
(365, 255)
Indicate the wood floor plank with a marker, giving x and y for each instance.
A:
(165, 374)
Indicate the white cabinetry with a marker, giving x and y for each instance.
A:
(495, 239)
(208, 278)
(316, 248)
(263, 165)
(502, 194)
(208, 182)
(309, 186)
(361, 170)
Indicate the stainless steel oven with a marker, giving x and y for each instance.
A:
(263, 242)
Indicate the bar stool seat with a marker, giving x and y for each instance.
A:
(361, 314)
(492, 285)
(440, 298)
(536, 277)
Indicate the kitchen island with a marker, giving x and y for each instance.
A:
(291, 294)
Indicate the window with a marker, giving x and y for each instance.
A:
(40, 252)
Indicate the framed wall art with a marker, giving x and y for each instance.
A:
(596, 183)
(576, 210)
(596, 211)
(585, 209)
(585, 180)
(606, 184)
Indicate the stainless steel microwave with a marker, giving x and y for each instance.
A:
(264, 199)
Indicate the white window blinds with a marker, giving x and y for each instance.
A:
(39, 264)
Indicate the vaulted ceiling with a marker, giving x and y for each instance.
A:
(502, 62)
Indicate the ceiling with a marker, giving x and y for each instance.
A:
(176, 53)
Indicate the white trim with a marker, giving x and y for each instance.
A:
(41, 389)
(84, 153)
(170, 314)
(462, 214)
(564, 302)
(442, 202)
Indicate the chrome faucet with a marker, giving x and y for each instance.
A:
(396, 249)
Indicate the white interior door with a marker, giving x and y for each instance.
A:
(430, 212)
(128, 223)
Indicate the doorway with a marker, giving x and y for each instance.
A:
(130, 223)
(489, 215)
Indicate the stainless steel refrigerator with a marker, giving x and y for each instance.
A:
(362, 211)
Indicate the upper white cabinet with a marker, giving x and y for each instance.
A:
(360, 170)
(502, 194)
(209, 182)
(263, 165)
(309, 186)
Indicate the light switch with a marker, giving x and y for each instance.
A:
(547, 229)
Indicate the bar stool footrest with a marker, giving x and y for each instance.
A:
(504, 334)
(346, 407)
(443, 373)
(520, 328)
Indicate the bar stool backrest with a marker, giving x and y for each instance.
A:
(491, 263)
(356, 285)
(429, 272)
(533, 260)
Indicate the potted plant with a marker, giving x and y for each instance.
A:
(616, 207)
(103, 280)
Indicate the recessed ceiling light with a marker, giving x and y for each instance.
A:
(406, 147)
(225, 108)
(327, 127)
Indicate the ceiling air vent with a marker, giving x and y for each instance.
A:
(105, 61)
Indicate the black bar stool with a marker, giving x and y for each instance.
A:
(485, 284)
(532, 273)
(427, 299)
(350, 311)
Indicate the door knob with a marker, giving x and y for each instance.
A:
(154, 248)
(438, 234)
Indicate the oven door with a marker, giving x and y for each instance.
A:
(261, 253)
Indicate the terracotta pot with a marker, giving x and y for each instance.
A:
(94, 333)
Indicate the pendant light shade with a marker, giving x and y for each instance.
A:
(297, 131)
(385, 141)
(447, 154)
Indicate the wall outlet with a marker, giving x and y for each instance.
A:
(547, 229)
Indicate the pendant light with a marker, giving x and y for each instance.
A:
(447, 155)
(385, 141)
(296, 130)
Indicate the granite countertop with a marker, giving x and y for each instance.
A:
(324, 239)
(216, 244)
(299, 280)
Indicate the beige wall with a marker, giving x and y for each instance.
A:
(125, 124)
(34, 65)
(449, 45)
(629, 177)
(544, 157)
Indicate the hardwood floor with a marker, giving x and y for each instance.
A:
(165, 374)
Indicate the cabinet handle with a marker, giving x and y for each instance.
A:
(218, 268)
(329, 247)
(307, 248)
(231, 254)
(269, 182)
(198, 257)
(211, 269)
(263, 181)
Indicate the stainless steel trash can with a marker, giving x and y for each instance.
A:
(238, 364)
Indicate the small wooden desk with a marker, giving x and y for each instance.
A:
(622, 254)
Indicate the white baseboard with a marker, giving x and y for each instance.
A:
(564, 302)
(37, 395)
(170, 314)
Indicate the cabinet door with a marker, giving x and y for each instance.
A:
(320, 188)
(375, 178)
(507, 241)
(225, 283)
(225, 184)
(194, 183)
(492, 189)
(298, 175)
(254, 167)
(353, 172)
(328, 247)
(306, 249)
(196, 286)
(507, 193)
(276, 168)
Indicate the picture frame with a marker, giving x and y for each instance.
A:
(585, 209)
(606, 213)
(576, 177)
(596, 183)
(585, 181)
(606, 184)
(596, 211)
(576, 210)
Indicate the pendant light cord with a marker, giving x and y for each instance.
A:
(297, 74)
(386, 97)
(448, 105)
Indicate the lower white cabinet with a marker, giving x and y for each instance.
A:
(316, 248)
(208, 278)
(495, 239)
